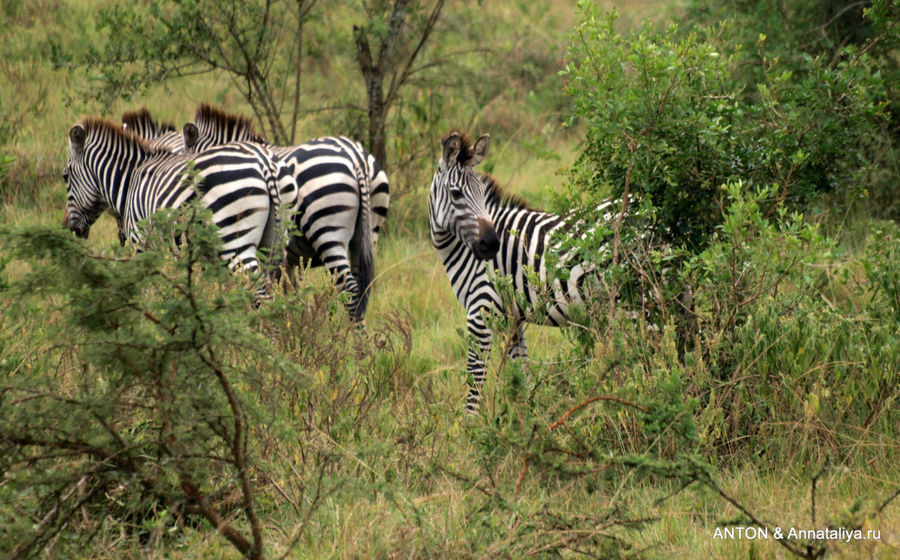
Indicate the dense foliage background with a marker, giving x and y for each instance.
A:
(739, 369)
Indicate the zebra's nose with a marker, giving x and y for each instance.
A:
(488, 242)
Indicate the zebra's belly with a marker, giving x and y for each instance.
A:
(552, 314)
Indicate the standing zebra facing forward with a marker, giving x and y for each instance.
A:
(475, 224)
(111, 168)
(335, 189)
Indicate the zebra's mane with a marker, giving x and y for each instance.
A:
(493, 192)
(235, 125)
(141, 119)
(101, 126)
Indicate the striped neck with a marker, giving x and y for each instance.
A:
(504, 207)
(217, 127)
(112, 160)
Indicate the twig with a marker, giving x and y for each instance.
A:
(812, 497)
(521, 477)
(618, 228)
(887, 501)
(237, 448)
(755, 520)
(48, 518)
(562, 421)
(593, 399)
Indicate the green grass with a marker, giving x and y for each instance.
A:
(432, 520)
(424, 510)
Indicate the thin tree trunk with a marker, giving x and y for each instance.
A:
(375, 68)
(373, 74)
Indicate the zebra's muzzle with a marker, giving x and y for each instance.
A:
(77, 224)
(488, 243)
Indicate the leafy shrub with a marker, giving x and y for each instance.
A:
(669, 118)
(833, 35)
(149, 397)
(796, 350)
(768, 334)
(787, 343)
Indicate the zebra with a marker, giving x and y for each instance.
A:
(159, 135)
(476, 226)
(337, 192)
(110, 168)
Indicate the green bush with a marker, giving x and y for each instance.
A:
(834, 35)
(669, 117)
(148, 396)
(797, 347)
(787, 346)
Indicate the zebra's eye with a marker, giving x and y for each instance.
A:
(66, 176)
(456, 194)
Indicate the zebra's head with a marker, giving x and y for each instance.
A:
(457, 199)
(84, 199)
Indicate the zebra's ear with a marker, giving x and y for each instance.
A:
(451, 148)
(480, 150)
(77, 136)
(190, 134)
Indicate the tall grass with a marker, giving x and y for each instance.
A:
(413, 476)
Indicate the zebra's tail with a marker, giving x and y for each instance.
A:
(365, 255)
(274, 239)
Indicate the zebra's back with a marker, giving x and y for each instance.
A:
(337, 164)
(234, 181)
(321, 181)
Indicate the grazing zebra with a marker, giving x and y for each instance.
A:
(336, 190)
(474, 226)
(111, 168)
(158, 135)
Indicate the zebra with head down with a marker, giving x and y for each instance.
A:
(110, 168)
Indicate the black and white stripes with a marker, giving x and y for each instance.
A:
(476, 227)
(336, 191)
(111, 168)
(337, 196)
(158, 135)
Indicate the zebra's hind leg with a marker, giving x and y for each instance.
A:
(243, 234)
(480, 339)
(331, 249)
(346, 283)
(338, 266)
(354, 306)
(249, 264)
(247, 261)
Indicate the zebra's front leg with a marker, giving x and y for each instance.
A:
(517, 350)
(480, 338)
